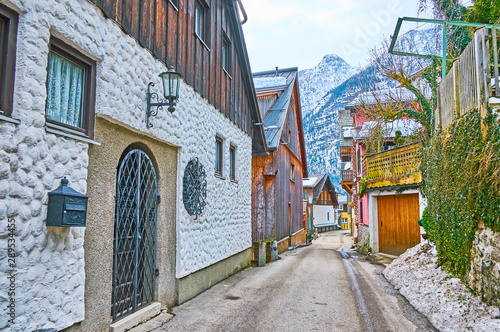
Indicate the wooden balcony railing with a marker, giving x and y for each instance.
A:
(347, 175)
(345, 150)
(399, 166)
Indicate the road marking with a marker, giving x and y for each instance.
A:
(351, 272)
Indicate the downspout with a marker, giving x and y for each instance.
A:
(243, 12)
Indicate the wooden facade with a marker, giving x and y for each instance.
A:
(167, 29)
(277, 176)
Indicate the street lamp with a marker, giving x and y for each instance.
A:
(171, 83)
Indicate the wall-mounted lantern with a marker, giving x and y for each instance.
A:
(67, 207)
(171, 83)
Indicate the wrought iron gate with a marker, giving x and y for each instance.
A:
(135, 234)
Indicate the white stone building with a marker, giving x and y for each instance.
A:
(73, 82)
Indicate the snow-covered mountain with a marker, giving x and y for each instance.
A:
(321, 124)
(316, 82)
(328, 87)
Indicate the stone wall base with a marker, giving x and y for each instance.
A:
(298, 238)
(484, 275)
(201, 280)
(363, 244)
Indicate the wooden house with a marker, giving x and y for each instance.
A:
(169, 208)
(321, 203)
(386, 219)
(277, 201)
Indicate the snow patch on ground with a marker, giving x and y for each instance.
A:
(443, 299)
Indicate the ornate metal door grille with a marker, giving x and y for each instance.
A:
(135, 234)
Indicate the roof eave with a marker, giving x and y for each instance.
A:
(247, 78)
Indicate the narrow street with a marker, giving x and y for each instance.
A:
(322, 287)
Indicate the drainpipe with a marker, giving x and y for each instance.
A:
(243, 12)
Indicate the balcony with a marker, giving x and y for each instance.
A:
(347, 175)
(396, 167)
(347, 180)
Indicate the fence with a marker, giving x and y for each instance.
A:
(469, 84)
(399, 166)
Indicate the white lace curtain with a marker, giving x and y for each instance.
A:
(65, 91)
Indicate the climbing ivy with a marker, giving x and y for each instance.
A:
(460, 174)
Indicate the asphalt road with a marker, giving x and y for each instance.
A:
(321, 287)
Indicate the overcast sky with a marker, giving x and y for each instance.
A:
(298, 33)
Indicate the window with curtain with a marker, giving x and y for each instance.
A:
(70, 90)
(65, 91)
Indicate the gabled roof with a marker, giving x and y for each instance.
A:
(312, 181)
(282, 84)
(282, 80)
(318, 182)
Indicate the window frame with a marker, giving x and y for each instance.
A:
(226, 54)
(292, 172)
(88, 117)
(232, 162)
(219, 156)
(175, 4)
(361, 211)
(202, 30)
(8, 59)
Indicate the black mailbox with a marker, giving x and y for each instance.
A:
(67, 207)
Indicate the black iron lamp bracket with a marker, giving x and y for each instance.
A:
(155, 103)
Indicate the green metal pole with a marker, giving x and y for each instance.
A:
(443, 74)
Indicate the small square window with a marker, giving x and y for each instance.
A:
(202, 21)
(232, 162)
(8, 39)
(226, 54)
(218, 155)
(70, 89)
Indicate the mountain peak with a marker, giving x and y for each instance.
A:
(329, 57)
(317, 81)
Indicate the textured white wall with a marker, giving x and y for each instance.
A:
(50, 281)
(320, 214)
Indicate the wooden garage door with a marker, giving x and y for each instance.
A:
(398, 229)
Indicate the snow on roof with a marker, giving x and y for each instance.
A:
(346, 132)
(342, 199)
(310, 182)
(406, 126)
(382, 96)
(267, 82)
(494, 100)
